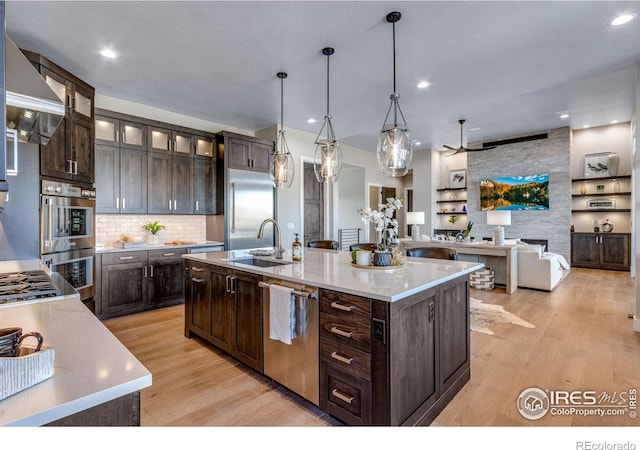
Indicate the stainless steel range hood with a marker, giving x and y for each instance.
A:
(33, 108)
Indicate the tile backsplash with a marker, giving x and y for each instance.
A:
(110, 227)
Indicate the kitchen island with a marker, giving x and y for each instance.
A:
(393, 343)
(96, 379)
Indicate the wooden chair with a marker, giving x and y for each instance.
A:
(370, 246)
(433, 252)
(333, 245)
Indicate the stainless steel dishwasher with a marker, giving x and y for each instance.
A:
(295, 366)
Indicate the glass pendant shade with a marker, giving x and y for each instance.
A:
(395, 149)
(282, 167)
(327, 159)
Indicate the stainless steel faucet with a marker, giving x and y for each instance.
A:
(277, 228)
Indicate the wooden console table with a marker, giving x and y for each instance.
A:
(509, 252)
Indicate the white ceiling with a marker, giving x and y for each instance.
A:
(505, 67)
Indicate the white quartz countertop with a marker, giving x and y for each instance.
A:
(91, 365)
(145, 246)
(332, 269)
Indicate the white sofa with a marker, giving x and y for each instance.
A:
(538, 269)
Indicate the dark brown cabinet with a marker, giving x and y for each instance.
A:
(235, 307)
(69, 154)
(393, 363)
(136, 281)
(121, 181)
(123, 283)
(204, 175)
(248, 154)
(170, 183)
(610, 251)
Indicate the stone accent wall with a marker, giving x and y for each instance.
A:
(551, 156)
(109, 227)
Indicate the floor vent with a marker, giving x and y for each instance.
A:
(533, 137)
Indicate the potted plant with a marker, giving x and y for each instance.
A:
(386, 228)
(467, 230)
(153, 228)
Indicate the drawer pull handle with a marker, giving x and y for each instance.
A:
(197, 280)
(168, 254)
(341, 358)
(339, 332)
(126, 257)
(341, 396)
(197, 269)
(337, 305)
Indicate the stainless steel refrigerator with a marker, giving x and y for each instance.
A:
(250, 199)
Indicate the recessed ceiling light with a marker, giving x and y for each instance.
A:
(585, 126)
(622, 19)
(474, 129)
(417, 143)
(564, 116)
(312, 120)
(614, 121)
(108, 53)
(422, 84)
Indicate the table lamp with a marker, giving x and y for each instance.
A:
(498, 218)
(415, 219)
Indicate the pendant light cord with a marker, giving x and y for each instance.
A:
(328, 56)
(394, 56)
(281, 104)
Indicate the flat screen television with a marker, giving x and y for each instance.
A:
(523, 193)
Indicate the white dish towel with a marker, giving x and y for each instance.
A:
(282, 314)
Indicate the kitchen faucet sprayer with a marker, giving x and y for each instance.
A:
(277, 228)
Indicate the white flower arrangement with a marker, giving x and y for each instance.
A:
(385, 224)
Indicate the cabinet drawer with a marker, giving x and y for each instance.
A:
(170, 253)
(345, 396)
(109, 259)
(346, 332)
(347, 307)
(348, 359)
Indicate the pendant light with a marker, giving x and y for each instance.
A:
(394, 144)
(327, 159)
(282, 168)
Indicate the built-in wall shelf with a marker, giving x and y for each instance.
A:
(619, 177)
(609, 210)
(452, 201)
(450, 189)
(450, 213)
(600, 194)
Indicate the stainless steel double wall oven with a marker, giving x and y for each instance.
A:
(67, 233)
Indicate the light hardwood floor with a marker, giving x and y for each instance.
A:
(582, 340)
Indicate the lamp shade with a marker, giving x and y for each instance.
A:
(415, 218)
(499, 217)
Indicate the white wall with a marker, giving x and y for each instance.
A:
(161, 115)
(302, 146)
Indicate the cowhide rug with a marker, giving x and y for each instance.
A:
(482, 315)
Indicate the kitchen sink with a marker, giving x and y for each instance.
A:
(258, 262)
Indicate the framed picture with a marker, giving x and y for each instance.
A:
(601, 204)
(595, 165)
(458, 178)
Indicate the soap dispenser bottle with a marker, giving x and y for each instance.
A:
(296, 249)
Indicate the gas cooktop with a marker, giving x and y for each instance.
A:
(26, 285)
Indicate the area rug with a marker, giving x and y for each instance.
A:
(482, 315)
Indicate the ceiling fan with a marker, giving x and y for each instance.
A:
(463, 149)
